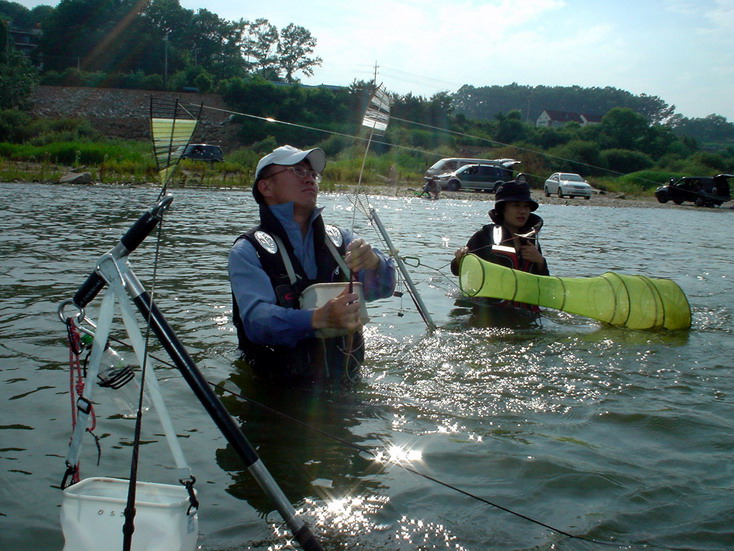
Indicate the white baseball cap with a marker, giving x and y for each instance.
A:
(287, 155)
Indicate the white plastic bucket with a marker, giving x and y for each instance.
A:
(92, 516)
(319, 293)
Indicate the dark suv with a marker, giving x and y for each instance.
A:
(203, 152)
(703, 191)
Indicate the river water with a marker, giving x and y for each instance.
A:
(618, 436)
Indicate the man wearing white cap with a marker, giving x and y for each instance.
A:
(275, 266)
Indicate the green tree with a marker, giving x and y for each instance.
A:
(18, 78)
(17, 15)
(577, 156)
(14, 125)
(214, 44)
(713, 128)
(510, 127)
(486, 101)
(623, 128)
(293, 50)
(258, 43)
(93, 35)
(169, 31)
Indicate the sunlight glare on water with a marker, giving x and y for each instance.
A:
(620, 435)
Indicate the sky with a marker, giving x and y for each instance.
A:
(679, 50)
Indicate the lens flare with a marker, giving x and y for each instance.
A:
(398, 454)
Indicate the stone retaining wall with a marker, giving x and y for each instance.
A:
(125, 113)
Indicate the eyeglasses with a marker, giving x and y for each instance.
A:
(300, 172)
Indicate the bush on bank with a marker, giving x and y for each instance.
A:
(42, 149)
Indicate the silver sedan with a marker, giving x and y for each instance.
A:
(567, 184)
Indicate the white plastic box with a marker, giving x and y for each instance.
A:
(319, 293)
(92, 516)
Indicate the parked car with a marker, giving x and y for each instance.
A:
(702, 191)
(567, 184)
(203, 152)
(476, 176)
(451, 164)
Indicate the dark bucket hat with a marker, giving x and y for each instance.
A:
(514, 191)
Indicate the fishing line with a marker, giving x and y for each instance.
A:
(128, 528)
(526, 149)
(385, 458)
(412, 78)
(343, 441)
(168, 147)
(422, 151)
(324, 131)
(358, 203)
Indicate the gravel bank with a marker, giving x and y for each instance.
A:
(614, 200)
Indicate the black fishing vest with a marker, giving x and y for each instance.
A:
(492, 247)
(503, 254)
(311, 360)
(492, 240)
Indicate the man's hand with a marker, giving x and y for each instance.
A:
(360, 256)
(340, 312)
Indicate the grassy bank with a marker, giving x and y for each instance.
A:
(132, 162)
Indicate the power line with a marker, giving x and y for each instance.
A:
(422, 151)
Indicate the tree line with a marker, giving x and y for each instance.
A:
(159, 37)
(486, 102)
(245, 61)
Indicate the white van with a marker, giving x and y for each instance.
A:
(450, 164)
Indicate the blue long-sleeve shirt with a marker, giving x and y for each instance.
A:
(263, 320)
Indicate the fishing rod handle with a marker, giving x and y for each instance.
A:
(130, 241)
(144, 225)
(306, 538)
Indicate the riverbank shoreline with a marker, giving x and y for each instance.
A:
(599, 199)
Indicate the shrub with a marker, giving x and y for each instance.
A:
(13, 125)
(647, 179)
(625, 161)
(713, 161)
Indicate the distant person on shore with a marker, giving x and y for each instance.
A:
(272, 267)
(512, 238)
(431, 189)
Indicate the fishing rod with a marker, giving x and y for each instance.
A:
(384, 457)
(113, 267)
(172, 127)
(413, 292)
(377, 117)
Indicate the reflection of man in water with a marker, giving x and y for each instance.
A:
(305, 463)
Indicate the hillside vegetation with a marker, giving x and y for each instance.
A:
(253, 66)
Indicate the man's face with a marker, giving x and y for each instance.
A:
(284, 184)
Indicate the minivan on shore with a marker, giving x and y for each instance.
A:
(441, 171)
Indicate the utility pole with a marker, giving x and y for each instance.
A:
(165, 62)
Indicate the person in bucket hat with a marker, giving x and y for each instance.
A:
(514, 191)
(512, 237)
(292, 250)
